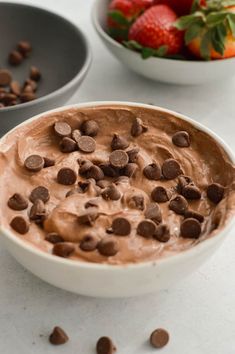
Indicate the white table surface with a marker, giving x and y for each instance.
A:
(199, 314)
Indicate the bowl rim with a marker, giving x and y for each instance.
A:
(104, 34)
(172, 259)
(79, 75)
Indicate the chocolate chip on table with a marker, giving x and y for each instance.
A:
(58, 336)
(76, 134)
(190, 228)
(153, 212)
(38, 212)
(179, 205)
(181, 139)
(15, 58)
(136, 202)
(88, 218)
(118, 159)
(171, 169)
(133, 154)
(67, 145)
(89, 243)
(17, 202)
(191, 192)
(24, 47)
(35, 73)
(103, 183)
(162, 233)
(146, 228)
(119, 143)
(131, 169)
(95, 172)
(54, 238)
(90, 127)
(111, 193)
(159, 338)
(105, 346)
(15, 88)
(84, 167)
(63, 249)
(62, 129)
(194, 215)
(48, 162)
(152, 171)
(5, 77)
(34, 163)
(66, 176)
(121, 226)
(20, 225)
(215, 192)
(108, 170)
(86, 144)
(108, 247)
(138, 127)
(41, 193)
(183, 181)
(160, 194)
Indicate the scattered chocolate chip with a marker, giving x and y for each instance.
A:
(108, 246)
(15, 58)
(93, 203)
(191, 192)
(190, 228)
(63, 249)
(54, 238)
(131, 169)
(85, 165)
(76, 135)
(159, 338)
(48, 162)
(86, 144)
(194, 215)
(133, 154)
(105, 346)
(181, 139)
(183, 181)
(152, 171)
(136, 202)
(20, 225)
(5, 77)
(24, 47)
(146, 228)
(138, 127)
(95, 172)
(35, 73)
(118, 159)
(41, 193)
(68, 145)
(90, 128)
(179, 205)
(103, 183)
(162, 233)
(111, 193)
(58, 336)
(32, 84)
(153, 212)
(27, 96)
(215, 192)
(17, 202)
(171, 169)
(119, 143)
(121, 226)
(38, 212)
(160, 194)
(108, 170)
(66, 176)
(89, 243)
(88, 218)
(15, 88)
(34, 163)
(62, 129)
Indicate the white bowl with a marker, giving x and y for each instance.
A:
(166, 70)
(105, 280)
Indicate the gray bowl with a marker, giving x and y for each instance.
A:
(60, 51)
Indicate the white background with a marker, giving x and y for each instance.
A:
(199, 314)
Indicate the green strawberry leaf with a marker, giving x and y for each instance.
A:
(205, 45)
(132, 45)
(215, 18)
(118, 17)
(192, 32)
(161, 51)
(147, 53)
(217, 40)
(186, 21)
(118, 33)
(231, 23)
(195, 6)
(227, 3)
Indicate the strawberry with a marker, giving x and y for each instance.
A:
(154, 30)
(182, 7)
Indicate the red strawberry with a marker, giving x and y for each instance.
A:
(181, 7)
(154, 29)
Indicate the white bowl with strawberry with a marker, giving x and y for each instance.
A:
(173, 41)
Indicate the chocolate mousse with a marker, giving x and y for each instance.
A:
(114, 184)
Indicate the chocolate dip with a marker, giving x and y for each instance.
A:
(117, 184)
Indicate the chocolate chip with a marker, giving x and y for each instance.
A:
(54, 238)
(109, 231)
(136, 202)
(108, 247)
(15, 88)
(131, 169)
(194, 215)
(86, 144)
(146, 228)
(190, 228)
(122, 180)
(88, 218)
(162, 233)
(108, 170)
(41, 193)
(68, 145)
(24, 47)
(89, 243)
(152, 171)
(160, 194)
(62, 129)
(159, 338)
(32, 84)
(27, 89)
(118, 159)
(35, 73)
(48, 162)
(5, 77)
(76, 134)
(191, 192)
(58, 336)
(119, 143)
(138, 127)
(105, 346)
(181, 139)
(17, 202)
(215, 192)
(63, 249)
(73, 191)
(171, 169)
(38, 212)
(153, 212)
(34, 163)
(85, 165)
(95, 172)
(183, 181)
(121, 226)
(20, 225)
(133, 154)
(93, 203)
(15, 58)
(27, 96)
(179, 205)
(84, 186)
(66, 176)
(103, 183)
(90, 128)
(111, 193)
(8, 99)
